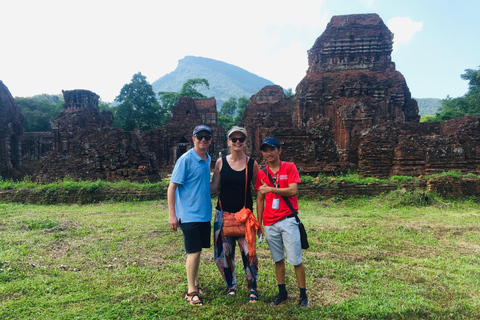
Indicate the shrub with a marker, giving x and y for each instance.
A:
(402, 179)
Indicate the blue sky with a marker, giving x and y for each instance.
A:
(54, 45)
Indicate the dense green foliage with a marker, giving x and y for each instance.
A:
(225, 80)
(106, 106)
(189, 89)
(428, 106)
(138, 106)
(39, 110)
(468, 104)
(72, 191)
(288, 92)
(231, 112)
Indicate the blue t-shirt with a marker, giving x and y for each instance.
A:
(193, 202)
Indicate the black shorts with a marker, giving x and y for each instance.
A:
(196, 235)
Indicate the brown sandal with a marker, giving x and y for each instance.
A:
(190, 298)
(199, 290)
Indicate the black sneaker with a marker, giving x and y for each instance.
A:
(279, 298)
(303, 302)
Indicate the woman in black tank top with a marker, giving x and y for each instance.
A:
(229, 175)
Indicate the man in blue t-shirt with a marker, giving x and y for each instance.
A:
(190, 205)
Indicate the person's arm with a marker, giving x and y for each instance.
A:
(290, 191)
(255, 171)
(260, 209)
(172, 217)
(215, 183)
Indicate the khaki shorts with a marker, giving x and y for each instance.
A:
(285, 234)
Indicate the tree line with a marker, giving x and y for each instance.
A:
(137, 106)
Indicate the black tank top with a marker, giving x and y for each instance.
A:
(232, 187)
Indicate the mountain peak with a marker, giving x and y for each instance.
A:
(226, 80)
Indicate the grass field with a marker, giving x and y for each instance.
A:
(392, 257)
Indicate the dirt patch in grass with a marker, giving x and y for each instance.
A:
(327, 292)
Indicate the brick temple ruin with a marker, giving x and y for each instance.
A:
(84, 145)
(352, 111)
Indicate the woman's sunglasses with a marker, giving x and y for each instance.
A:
(201, 136)
(234, 140)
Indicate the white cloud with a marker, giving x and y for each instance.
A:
(403, 29)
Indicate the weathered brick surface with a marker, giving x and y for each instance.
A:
(454, 188)
(11, 129)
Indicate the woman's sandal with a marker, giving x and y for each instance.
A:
(232, 292)
(253, 296)
(190, 298)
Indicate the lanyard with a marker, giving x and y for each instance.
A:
(276, 177)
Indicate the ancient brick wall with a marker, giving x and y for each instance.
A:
(270, 113)
(83, 145)
(11, 130)
(179, 129)
(421, 149)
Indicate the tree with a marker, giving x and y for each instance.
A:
(170, 99)
(288, 93)
(428, 118)
(243, 102)
(468, 104)
(231, 112)
(138, 106)
(226, 116)
(38, 111)
(106, 106)
(473, 94)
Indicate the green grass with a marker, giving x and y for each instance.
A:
(70, 185)
(354, 177)
(389, 257)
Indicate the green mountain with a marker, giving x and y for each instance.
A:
(428, 106)
(225, 80)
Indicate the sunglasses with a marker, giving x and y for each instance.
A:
(234, 140)
(201, 136)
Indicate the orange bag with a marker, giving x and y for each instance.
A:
(231, 226)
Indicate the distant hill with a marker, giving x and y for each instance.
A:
(225, 80)
(428, 106)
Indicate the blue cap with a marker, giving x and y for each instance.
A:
(272, 142)
(201, 128)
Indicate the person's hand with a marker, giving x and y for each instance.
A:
(260, 230)
(173, 222)
(264, 189)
